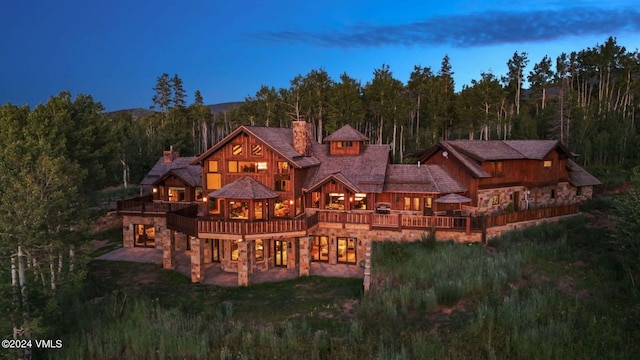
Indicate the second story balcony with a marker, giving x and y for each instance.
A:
(145, 205)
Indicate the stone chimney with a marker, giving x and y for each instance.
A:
(302, 136)
(169, 156)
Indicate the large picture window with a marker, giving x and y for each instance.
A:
(247, 166)
(320, 248)
(334, 201)
(259, 246)
(347, 250)
(234, 250)
(177, 194)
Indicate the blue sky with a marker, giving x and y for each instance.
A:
(115, 50)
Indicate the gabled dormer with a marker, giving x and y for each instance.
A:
(346, 141)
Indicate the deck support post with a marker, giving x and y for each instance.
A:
(168, 251)
(243, 263)
(305, 261)
(197, 260)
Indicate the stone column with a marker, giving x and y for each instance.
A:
(168, 252)
(197, 261)
(367, 266)
(243, 263)
(127, 231)
(305, 259)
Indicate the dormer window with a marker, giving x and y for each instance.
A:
(345, 144)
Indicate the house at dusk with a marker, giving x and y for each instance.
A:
(264, 198)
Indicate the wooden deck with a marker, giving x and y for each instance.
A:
(185, 219)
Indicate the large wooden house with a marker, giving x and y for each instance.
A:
(273, 197)
(514, 174)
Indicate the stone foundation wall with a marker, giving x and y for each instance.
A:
(159, 222)
(563, 193)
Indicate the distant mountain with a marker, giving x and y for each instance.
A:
(215, 109)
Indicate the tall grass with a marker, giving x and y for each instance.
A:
(428, 301)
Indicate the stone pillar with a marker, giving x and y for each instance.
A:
(243, 263)
(168, 252)
(127, 232)
(367, 266)
(305, 259)
(197, 261)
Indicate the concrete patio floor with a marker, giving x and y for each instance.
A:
(214, 275)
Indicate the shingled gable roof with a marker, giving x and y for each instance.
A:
(346, 133)
(579, 176)
(192, 175)
(366, 171)
(245, 188)
(507, 149)
(161, 168)
(420, 179)
(280, 140)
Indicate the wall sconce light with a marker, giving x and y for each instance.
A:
(351, 199)
(290, 202)
(205, 199)
(155, 190)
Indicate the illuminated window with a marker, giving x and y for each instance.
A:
(259, 250)
(214, 206)
(257, 210)
(315, 199)
(238, 210)
(334, 201)
(144, 235)
(237, 149)
(360, 201)
(256, 150)
(411, 203)
(496, 168)
(281, 208)
(246, 166)
(346, 250)
(283, 167)
(320, 248)
(213, 166)
(547, 163)
(214, 181)
(299, 205)
(234, 250)
(496, 200)
(176, 194)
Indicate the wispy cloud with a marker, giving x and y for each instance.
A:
(480, 29)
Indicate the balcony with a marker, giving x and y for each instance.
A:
(144, 205)
(186, 220)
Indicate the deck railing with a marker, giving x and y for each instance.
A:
(531, 214)
(249, 227)
(187, 221)
(184, 220)
(146, 205)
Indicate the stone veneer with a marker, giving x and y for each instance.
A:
(565, 193)
(159, 222)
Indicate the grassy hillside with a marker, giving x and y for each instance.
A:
(553, 291)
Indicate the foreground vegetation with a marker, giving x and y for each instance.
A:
(555, 291)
